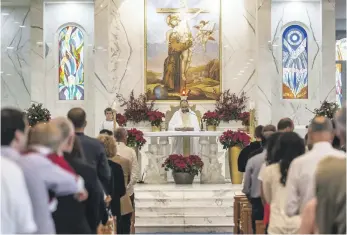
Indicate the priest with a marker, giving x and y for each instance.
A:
(185, 120)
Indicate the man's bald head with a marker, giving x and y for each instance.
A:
(121, 134)
(45, 134)
(320, 130)
(67, 133)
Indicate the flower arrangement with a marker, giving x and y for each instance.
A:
(327, 109)
(211, 118)
(121, 119)
(178, 163)
(136, 108)
(245, 118)
(231, 138)
(229, 106)
(135, 138)
(155, 117)
(36, 114)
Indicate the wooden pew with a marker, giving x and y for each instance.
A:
(259, 227)
(242, 215)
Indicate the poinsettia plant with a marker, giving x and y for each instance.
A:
(211, 118)
(36, 114)
(121, 119)
(155, 117)
(135, 138)
(244, 117)
(231, 139)
(178, 163)
(327, 109)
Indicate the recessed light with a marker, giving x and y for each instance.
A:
(242, 71)
(248, 63)
(235, 78)
(1, 72)
(101, 5)
(16, 22)
(246, 67)
(5, 14)
(250, 59)
(10, 48)
(8, 74)
(21, 26)
(240, 74)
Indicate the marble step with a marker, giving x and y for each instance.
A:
(176, 220)
(180, 202)
(184, 211)
(183, 228)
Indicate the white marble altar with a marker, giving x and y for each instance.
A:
(160, 148)
(197, 208)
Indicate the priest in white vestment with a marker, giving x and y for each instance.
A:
(183, 120)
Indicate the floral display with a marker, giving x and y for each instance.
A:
(245, 118)
(229, 106)
(231, 138)
(121, 119)
(135, 138)
(211, 118)
(136, 108)
(155, 117)
(178, 163)
(36, 114)
(327, 109)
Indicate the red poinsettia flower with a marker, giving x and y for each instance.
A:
(135, 138)
(234, 138)
(211, 118)
(155, 117)
(179, 163)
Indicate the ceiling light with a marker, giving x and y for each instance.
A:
(242, 71)
(10, 48)
(16, 22)
(21, 26)
(235, 78)
(240, 74)
(101, 5)
(246, 67)
(5, 14)
(250, 59)
(8, 74)
(1, 72)
(248, 63)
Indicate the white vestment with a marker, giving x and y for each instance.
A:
(180, 120)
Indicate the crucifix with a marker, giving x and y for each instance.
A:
(183, 30)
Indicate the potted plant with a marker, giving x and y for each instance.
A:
(135, 139)
(234, 141)
(184, 169)
(136, 109)
(121, 120)
(229, 106)
(156, 118)
(36, 114)
(212, 120)
(327, 109)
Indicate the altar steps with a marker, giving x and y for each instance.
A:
(170, 208)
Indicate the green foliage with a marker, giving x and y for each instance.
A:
(327, 109)
(36, 114)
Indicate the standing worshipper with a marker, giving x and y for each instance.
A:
(340, 122)
(16, 209)
(300, 181)
(253, 146)
(92, 148)
(126, 209)
(251, 186)
(285, 125)
(73, 216)
(274, 177)
(121, 136)
(40, 174)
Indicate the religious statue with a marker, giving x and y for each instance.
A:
(155, 174)
(184, 120)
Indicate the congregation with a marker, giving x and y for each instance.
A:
(296, 185)
(56, 179)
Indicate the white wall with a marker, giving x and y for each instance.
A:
(57, 15)
(15, 57)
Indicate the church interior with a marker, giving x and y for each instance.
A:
(190, 81)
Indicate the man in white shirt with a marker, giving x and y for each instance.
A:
(16, 209)
(300, 182)
(121, 136)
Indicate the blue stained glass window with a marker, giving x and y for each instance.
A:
(294, 63)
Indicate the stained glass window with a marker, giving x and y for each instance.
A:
(71, 64)
(341, 48)
(295, 63)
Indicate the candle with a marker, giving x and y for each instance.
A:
(251, 105)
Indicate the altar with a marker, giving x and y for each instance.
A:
(160, 147)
